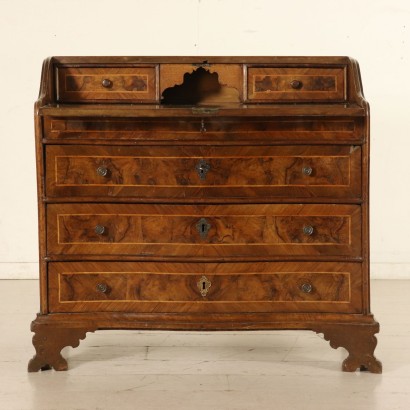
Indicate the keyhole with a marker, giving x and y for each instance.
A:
(203, 285)
(202, 168)
(203, 227)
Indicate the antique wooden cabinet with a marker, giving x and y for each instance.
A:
(203, 194)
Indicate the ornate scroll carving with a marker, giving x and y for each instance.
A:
(49, 340)
(358, 339)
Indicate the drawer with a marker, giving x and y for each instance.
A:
(204, 287)
(296, 84)
(203, 172)
(221, 231)
(209, 129)
(79, 84)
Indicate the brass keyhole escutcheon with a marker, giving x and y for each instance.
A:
(202, 168)
(203, 228)
(203, 285)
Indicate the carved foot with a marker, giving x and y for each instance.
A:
(49, 340)
(358, 339)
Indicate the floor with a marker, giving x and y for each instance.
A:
(213, 371)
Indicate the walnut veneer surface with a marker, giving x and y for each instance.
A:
(203, 194)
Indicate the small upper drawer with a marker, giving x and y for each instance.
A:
(296, 84)
(95, 84)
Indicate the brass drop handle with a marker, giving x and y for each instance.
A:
(308, 230)
(306, 288)
(307, 171)
(296, 84)
(99, 229)
(102, 287)
(106, 83)
(102, 171)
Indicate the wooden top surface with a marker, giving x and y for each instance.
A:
(202, 59)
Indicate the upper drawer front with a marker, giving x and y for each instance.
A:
(296, 84)
(204, 230)
(204, 287)
(96, 84)
(203, 172)
(220, 131)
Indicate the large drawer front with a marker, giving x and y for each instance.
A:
(219, 130)
(204, 172)
(79, 84)
(199, 230)
(204, 287)
(296, 84)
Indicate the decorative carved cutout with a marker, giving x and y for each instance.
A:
(200, 86)
(358, 339)
(49, 340)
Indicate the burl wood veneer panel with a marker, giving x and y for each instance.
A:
(203, 171)
(296, 84)
(209, 130)
(204, 287)
(204, 230)
(134, 84)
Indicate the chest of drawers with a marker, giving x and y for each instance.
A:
(203, 194)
